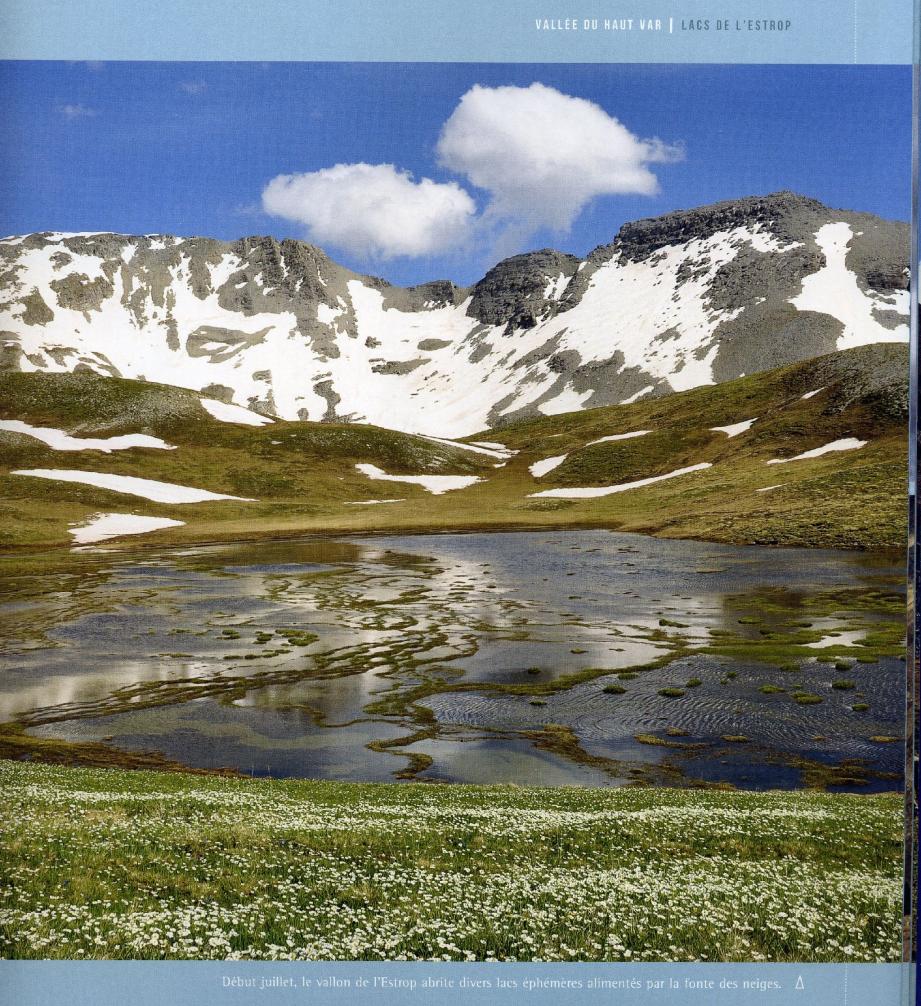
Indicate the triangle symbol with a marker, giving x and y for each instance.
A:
(799, 987)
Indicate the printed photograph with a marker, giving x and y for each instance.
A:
(453, 511)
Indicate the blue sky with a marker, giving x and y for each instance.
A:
(189, 148)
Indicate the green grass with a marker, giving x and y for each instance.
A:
(106, 863)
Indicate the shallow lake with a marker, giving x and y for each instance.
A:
(530, 657)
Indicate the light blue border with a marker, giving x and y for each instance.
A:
(822, 31)
(205, 983)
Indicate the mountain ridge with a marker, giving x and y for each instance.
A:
(688, 298)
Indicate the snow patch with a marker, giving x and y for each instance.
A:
(640, 393)
(221, 273)
(326, 315)
(735, 429)
(568, 400)
(150, 489)
(111, 525)
(493, 451)
(767, 489)
(372, 502)
(834, 290)
(58, 440)
(810, 394)
(845, 444)
(556, 287)
(593, 491)
(540, 468)
(233, 413)
(618, 436)
(435, 484)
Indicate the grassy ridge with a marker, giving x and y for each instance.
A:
(141, 864)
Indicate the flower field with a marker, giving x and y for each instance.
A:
(116, 864)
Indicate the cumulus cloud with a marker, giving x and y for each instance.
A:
(542, 155)
(73, 112)
(373, 210)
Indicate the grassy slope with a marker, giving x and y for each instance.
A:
(142, 864)
(303, 474)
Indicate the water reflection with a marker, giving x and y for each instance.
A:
(290, 658)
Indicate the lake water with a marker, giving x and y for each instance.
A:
(465, 658)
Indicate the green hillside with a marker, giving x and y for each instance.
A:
(303, 476)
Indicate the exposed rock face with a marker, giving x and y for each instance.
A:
(518, 292)
(783, 214)
(688, 298)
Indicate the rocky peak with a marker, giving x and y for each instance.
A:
(515, 292)
(785, 214)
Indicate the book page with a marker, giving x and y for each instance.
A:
(455, 469)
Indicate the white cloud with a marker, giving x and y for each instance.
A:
(542, 155)
(78, 111)
(538, 155)
(373, 210)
